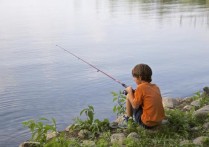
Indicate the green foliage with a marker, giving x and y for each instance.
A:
(181, 122)
(95, 126)
(119, 98)
(132, 125)
(39, 129)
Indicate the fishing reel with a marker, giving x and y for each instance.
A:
(125, 92)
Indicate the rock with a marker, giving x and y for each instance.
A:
(134, 136)
(206, 90)
(206, 125)
(200, 140)
(164, 122)
(29, 144)
(170, 102)
(187, 108)
(195, 129)
(83, 134)
(89, 143)
(117, 138)
(51, 135)
(202, 112)
(68, 128)
(184, 143)
(196, 103)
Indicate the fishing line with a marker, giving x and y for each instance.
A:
(98, 70)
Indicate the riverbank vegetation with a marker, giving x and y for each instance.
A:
(186, 124)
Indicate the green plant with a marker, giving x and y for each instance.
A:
(119, 99)
(95, 126)
(39, 129)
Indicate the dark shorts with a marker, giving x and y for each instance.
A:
(137, 113)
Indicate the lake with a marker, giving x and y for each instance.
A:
(38, 79)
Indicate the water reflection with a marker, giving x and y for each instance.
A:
(192, 12)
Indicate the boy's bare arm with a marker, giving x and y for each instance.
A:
(131, 97)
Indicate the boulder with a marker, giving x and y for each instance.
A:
(83, 134)
(68, 128)
(185, 143)
(196, 103)
(29, 144)
(170, 102)
(134, 136)
(206, 125)
(206, 90)
(89, 143)
(51, 135)
(202, 112)
(200, 140)
(117, 138)
(187, 108)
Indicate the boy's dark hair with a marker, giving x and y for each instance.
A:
(143, 71)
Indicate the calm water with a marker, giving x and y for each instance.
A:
(37, 79)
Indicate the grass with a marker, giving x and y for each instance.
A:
(182, 125)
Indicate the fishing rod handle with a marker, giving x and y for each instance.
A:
(125, 92)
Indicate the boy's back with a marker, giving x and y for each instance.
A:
(148, 96)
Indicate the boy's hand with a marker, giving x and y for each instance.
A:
(129, 89)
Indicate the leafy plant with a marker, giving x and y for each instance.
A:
(95, 126)
(120, 99)
(39, 129)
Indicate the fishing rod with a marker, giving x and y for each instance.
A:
(98, 70)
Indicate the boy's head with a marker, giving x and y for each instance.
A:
(142, 71)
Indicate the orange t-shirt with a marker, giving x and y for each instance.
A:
(148, 96)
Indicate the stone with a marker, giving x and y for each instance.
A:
(196, 103)
(83, 134)
(200, 140)
(89, 143)
(29, 144)
(134, 136)
(202, 112)
(184, 143)
(206, 90)
(68, 128)
(117, 138)
(164, 122)
(51, 135)
(195, 129)
(206, 125)
(187, 108)
(170, 102)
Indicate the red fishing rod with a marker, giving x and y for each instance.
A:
(98, 70)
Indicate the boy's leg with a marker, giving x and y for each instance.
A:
(129, 108)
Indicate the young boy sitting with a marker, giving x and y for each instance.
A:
(145, 104)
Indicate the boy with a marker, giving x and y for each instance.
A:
(145, 104)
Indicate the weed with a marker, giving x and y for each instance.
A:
(39, 129)
(119, 107)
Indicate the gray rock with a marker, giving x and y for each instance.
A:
(68, 128)
(202, 112)
(206, 125)
(196, 103)
(184, 142)
(200, 140)
(88, 143)
(83, 134)
(29, 144)
(170, 102)
(117, 138)
(187, 107)
(51, 135)
(195, 129)
(206, 90)
(134, 136)
(164, 122)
